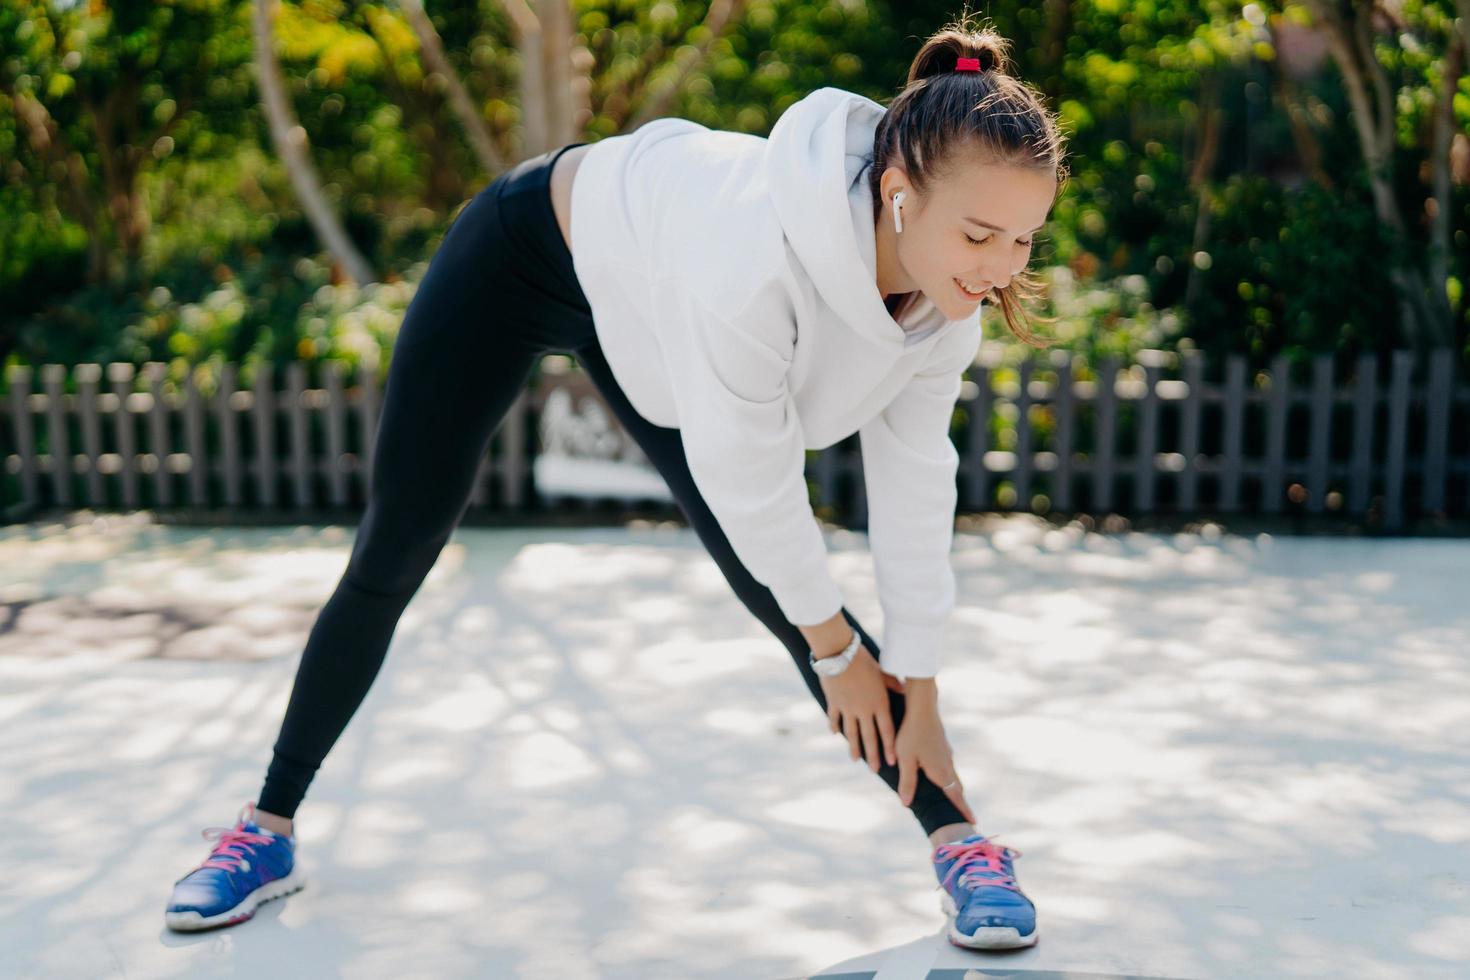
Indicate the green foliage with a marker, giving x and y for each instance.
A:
(243, 306)
(154, 111)
(1289, 278)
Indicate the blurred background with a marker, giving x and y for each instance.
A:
(213, 214)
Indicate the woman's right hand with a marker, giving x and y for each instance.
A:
(857, 705)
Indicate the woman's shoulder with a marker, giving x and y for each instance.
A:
(719, 230)
(695, 206)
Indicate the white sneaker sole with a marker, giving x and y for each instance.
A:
(190, 920)
(985, 937)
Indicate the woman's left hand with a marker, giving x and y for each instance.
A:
(921, 744)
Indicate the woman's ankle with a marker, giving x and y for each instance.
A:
(274, 823)
(950, 833)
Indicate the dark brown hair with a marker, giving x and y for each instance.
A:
(942, 112)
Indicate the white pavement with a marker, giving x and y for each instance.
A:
(1219, 756)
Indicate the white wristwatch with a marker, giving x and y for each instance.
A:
(834, 664)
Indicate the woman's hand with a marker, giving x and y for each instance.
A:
(923, 745)
(857, 704)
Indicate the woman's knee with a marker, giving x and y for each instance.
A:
(395, 548)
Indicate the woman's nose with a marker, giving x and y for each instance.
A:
(996, 278)
(995, 274)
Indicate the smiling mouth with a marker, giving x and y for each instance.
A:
(969, 295)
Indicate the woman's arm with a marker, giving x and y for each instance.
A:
(921, 694)
(909, 469)
(829, 636)
(745, 447)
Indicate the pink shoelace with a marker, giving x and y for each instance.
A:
(977, 858)
(225, 854)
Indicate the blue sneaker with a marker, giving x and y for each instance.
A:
(984, 906)
(248, 866)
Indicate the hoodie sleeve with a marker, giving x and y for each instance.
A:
(909, 469)
(745, 447)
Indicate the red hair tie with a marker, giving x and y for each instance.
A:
(967, 64)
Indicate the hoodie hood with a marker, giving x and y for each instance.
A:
(817, 160)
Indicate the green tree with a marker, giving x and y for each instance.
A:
(103, 92)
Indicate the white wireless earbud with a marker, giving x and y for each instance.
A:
(898, 212)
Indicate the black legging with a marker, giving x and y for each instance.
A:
(499, 293)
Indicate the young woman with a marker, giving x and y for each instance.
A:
(737, 301)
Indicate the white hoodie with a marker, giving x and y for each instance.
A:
(733, 285)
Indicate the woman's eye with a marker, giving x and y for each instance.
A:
(986, 239)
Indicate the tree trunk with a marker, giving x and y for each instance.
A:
(1440, 224)
(443, 186)
(1058, 14)
(1349, 35)
(50, 147)
(460, 102)
(631, 102)
(535, 136)
(718, 20)
(1308, 148)
(1199, 179)
(556, 72)
(292, 144)
(119, 168)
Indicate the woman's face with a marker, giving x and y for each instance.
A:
(973, 229)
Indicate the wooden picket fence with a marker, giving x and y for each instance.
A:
(1389, 442)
